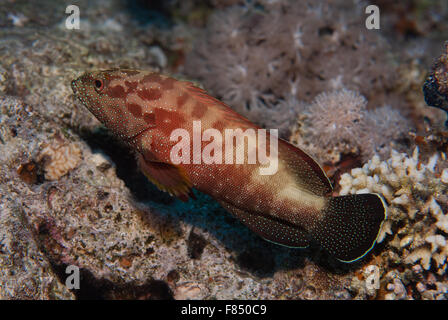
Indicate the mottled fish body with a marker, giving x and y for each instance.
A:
(291, 207)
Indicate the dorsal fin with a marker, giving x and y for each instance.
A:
(227, 112)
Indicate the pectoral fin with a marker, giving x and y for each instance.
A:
(167, 177)
(271, 229)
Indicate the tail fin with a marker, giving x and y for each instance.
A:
(350, 225)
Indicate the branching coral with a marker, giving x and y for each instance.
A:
(417, 200)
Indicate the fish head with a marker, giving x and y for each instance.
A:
(108, 96)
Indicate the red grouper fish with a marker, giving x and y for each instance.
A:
(290, 203)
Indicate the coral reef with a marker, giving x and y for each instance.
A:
(90, 219)
(72, 195)
(416, 224)
(98, 212)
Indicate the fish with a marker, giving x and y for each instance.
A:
(291, 206)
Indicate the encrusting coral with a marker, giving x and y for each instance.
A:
(59, 157)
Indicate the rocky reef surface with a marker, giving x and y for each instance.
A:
(71, 194)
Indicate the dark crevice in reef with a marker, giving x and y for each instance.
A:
(195, 245)
(92, 288)
(257, 261)
(126, 166)
(150, 13)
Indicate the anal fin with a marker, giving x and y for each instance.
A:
(167, 177)
(271, 229)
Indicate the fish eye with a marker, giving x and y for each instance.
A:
(99, 84)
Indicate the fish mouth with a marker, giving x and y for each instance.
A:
(73, 84)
